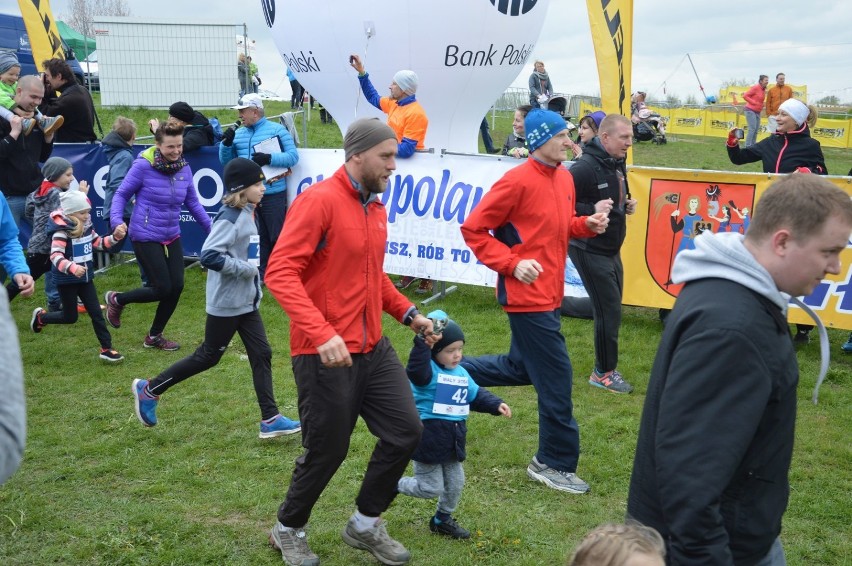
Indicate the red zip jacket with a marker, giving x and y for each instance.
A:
(327, 270)
(531, 212)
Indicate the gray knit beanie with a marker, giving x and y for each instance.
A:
(54, 167)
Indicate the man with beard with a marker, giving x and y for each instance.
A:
(343, 366)
(600, 179)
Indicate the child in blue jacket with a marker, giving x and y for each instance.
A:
(444, 394)
(71, 250)
(231, 254)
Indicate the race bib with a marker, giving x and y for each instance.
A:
(451, 396)
(82, 248)
(254, 250)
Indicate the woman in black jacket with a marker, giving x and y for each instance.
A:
(790, 149)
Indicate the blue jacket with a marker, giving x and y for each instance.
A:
(11, 253)
(249, 136)
(444, 430)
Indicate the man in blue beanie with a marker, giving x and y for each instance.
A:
(521, 229)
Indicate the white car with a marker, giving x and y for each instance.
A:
(90, 70)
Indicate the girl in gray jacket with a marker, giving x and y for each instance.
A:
(231, 254)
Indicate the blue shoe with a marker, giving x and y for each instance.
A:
(279, 426)
(146, 407)
(847, 347)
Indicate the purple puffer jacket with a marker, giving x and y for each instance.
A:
(159, 198)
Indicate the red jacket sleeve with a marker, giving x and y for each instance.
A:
(307, 221)
(492, 212)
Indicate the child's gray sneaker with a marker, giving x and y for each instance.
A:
(557, 479)
(376, 541)
(293, 544)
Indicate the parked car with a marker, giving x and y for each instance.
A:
(90, 70)
(13, 37)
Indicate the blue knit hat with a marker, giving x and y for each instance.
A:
(541, 125)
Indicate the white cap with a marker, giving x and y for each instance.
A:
(250, 100)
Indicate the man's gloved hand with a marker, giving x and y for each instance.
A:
(228, 137)
(262, 159)
(733, 140)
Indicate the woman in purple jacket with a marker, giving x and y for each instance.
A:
(161, 181)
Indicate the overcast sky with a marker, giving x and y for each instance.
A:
(809, 41)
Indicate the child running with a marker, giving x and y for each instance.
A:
(72, 243)
(58, 175)
(231, 253)
(444, 394)
(10, 71)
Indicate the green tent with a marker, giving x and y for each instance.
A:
(81, 44)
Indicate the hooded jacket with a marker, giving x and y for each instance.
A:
(599, 176)
(39, 205)
(160, 198)
(19, 171)
(119, 155)
(716, 435)
(197, 134)
(783, 153)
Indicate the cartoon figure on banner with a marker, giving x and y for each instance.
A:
(665, 242)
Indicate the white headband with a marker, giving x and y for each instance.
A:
(796, 109)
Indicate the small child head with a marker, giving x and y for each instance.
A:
(244, 182)
(447, 352)
(58, 171)
(620, 545)
(125, 128)
(10, 68)
(76, 206)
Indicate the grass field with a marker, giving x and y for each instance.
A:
(97, 488)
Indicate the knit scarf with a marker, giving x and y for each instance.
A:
(541, 76)
(167, 167)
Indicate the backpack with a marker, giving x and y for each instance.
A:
(217, 130)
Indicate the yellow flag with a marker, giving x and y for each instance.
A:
(42, 30)
(612, 34)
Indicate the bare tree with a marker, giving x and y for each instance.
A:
(81, 13)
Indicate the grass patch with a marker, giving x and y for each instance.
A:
(97, 488)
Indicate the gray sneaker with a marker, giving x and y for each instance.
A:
(378, 542)
(611, 381)
(557, 479)
(293, 544)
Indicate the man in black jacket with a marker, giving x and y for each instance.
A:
(74, 103)
(197, 131)
(20, 155)
(716, 436)
(600, 181)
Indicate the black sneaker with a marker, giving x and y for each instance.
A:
(802, 337)
(35, 322)
(110, 355)
(448, 528)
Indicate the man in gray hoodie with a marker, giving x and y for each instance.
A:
(716, 436)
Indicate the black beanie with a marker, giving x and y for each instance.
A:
(182, 111)
(241, 173)
(452, 333)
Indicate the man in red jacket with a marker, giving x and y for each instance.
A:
(327, 274)
(521, 229)
(754, 98)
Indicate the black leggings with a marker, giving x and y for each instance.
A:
(68, 315)
(217, 335)
(163, 266)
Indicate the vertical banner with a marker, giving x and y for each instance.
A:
(611, 22)
(42, 30)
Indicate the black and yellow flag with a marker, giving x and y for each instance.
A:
(42, 30)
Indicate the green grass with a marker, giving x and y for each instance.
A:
(97, 488)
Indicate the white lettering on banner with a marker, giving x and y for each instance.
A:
(99, 181)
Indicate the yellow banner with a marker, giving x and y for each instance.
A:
(41, 28)
(832, 133)
(734, 94)
(611, 24)
(675, 205)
